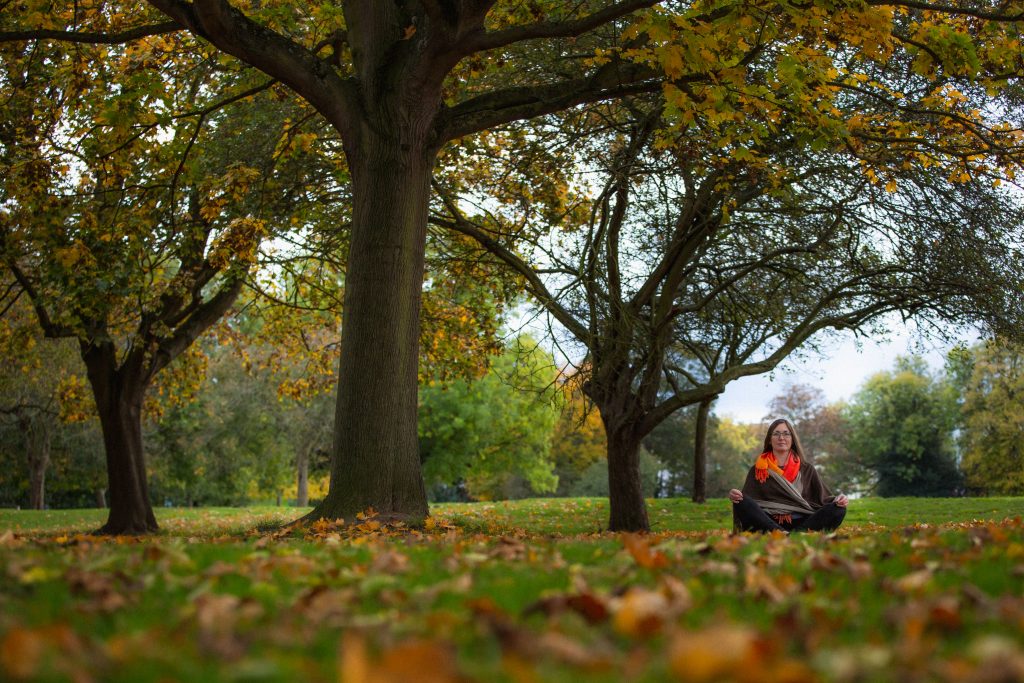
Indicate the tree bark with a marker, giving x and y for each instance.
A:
(35, 428)
(119, 393)
(302, 483)
(627, 509)
(375, 460)
(700, 452)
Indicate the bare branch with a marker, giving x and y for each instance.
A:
(461, 224)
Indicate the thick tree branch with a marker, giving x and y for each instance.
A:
(552, 29)
(199, 321)
(49, 327)
(949, 9)
(92, 37)
(231, 31)
(504, 106)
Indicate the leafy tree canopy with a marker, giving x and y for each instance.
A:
(993, 420)
(482, 431)
(901, 424)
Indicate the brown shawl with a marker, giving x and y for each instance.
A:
(781, 499)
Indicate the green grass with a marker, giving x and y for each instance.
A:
(911, 589)
(542, 516)
(573, 516)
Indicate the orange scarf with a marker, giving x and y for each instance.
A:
(767, 461)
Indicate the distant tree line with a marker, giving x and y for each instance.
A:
(518, 428)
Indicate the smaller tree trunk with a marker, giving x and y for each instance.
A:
(37, 483)
(627, 509)
(101, 497)
(36, 430)
(131, 511)
(119, 394)
(700, 452)
(302, 485)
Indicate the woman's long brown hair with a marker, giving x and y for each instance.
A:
(794, 444)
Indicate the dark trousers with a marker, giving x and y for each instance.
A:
(748, 516)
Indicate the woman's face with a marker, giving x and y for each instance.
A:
(782, 437)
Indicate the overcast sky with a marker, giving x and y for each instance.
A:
(839, 372)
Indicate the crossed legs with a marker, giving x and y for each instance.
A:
(748, 516)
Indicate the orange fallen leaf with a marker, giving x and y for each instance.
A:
(353, 660)
(421, 660)
(640, 548)
(641, 612)
(914, 582)
(563, 648)
(712, 654)
(21, 652)
(390, 562)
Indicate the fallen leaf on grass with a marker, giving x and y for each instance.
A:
(945, 614)
(508, 549)
(733, 652)
(8, 539)
(641, 612)
(856, 569)
(589, 606)
(854, 664)
(562, 648)
(106, 592)
(217, 617)
(716, 567)
(640, 548)
(30, 653)
(712, 654)
(37, 574)
(914, 582)
(421, 660)
(775, 588)
(323, 605)
(998, 657)
(390, 562)
(21, 652)
(521, 646)
(353, 659)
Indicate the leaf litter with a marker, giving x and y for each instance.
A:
(376, 602)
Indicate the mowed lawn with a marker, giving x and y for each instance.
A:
(908, 590)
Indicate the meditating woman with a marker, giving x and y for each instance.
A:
(783, 492)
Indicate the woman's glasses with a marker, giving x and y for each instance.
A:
(781, 435)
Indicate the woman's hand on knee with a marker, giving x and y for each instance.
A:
(735, 495)
(842, 501)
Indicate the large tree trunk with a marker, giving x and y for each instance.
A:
(700, 453)
(627, 509)
(376, 461)
(119, 393)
